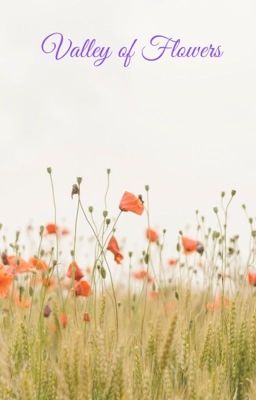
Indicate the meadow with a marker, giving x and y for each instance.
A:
(175, 328)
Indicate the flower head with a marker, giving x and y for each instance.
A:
(114, 248)
(5, 282)
(190, 246)
(51, 229)
(130, 202)
(141, 275)
(152, 235)
(251, 278)
(38, 264)
(74, 271)
(82, 288)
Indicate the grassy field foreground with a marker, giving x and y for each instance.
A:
(74, 333)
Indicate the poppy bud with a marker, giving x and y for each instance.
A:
(146, 258)
(4, 258)
(47, 311)
(233, 193)
(87, 317)
(108, 171)
(200, 248)
(49, 170)
(105, 213)
(147, 188)
(140, 198)
(79, 180)
(90, 209)
(103, 272)
(75, 190)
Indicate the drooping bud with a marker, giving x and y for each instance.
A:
(47, 311)
(75, 190)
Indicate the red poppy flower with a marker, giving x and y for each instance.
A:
(5, 283)
(49, 282)
(114, 248)
(82, 288)
(17, 264)
(74, 271)
(51, 229)
(217, 303)
(154, 295)
(251, 278)
(63, 320)
(152, 235)
(38, 264)
(190, 246)
(65, 231)
(129, 202)
(141, 275)
(22, 302)
(172, 262)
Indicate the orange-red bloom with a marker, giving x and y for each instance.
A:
(217, 303)
(51, 229)
(38, 264)
(17, 264)
(22, 302)
(190, 246)
(49, 282)
(129, 202)
(172, 262)
(114, 248)
(251, 278)
(63, 320)
(152, 235)
(65, 231)
(5, 283)
(82, 288)
(141, 275)
(74, 271)
(154, 295)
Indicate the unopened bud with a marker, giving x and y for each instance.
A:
(75, 190)
(47, 311)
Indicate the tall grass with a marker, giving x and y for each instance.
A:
(159, 340)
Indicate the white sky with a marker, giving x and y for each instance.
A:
(185, 127)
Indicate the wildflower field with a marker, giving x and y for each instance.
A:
(181, 326)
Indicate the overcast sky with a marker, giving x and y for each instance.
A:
(185, 127)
